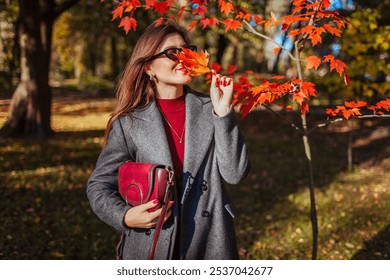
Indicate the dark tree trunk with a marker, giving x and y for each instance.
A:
(223, 42)
(30, 110)
(114, 59)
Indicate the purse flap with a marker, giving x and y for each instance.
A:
(139, 182)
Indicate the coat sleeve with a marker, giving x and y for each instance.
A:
(102, 186)
(231, 151)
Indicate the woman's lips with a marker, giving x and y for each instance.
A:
(183, 69)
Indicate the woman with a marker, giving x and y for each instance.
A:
(158, 119)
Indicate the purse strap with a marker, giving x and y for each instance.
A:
(164, 210)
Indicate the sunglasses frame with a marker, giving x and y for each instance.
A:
(172, 56)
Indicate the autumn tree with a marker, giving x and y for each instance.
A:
(30, 109)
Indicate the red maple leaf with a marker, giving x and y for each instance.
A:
(278, 77)
(259, 20)
(315, 36)
(162, 7)
(332, 30)
(231, 24)
(231, 69)
(128, 23)
(313, 61)
(355, 104)
(244, 15)
(226, 7)
(192, 25)
(384, 104)
(208, 22)
(304, 108)
(338, 65)
(118, 12)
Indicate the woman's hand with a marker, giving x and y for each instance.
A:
(221, 93)
(140, 217)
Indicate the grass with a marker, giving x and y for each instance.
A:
(45, 213)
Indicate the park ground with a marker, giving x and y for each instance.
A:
(45, 213)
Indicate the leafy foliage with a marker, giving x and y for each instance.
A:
(307, 23)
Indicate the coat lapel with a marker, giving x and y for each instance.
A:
(198, 136)
(153, 133)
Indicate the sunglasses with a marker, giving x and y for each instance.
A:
(172, 52)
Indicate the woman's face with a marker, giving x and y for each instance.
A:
(165, 70)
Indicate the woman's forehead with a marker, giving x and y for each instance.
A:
(174, 40)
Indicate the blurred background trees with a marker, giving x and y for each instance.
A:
(88, 51)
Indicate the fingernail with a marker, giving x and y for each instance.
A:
(155, 201)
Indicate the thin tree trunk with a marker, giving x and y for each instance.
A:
(306, 144)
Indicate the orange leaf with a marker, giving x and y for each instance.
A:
(316, 35)
(326, 3)
(308, 89)
(226, 7)
(231, 24)
(192, 25)
(259, 20)
(298, 97)
(278, 77)
(332, 30)
(384, 104)
(231, 69)
(338, 65)
(216, 67)
(268, 23)
(195, 63)
(118, 12)
(355, 104)
(246, 16)
(304, 108)
(149, 4)
(265, 96)
(208, 22)
(128, 23)
(313, 61)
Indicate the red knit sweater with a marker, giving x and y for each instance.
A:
(173, 115)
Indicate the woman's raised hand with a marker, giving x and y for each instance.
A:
(221, 93)
(140, 217)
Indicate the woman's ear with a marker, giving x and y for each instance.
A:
(148, 68)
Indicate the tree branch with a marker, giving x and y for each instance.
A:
(283, 118)
(330, 121)
(252, 30)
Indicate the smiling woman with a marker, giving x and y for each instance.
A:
(160, 120)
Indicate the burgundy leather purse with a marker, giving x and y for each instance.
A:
(140, 183)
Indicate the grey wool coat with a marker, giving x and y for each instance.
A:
(215, 153)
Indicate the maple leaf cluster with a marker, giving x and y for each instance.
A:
(353, 108)
(307, 23)
(250, 95)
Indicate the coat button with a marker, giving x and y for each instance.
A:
(148, 232)
(206, 214)
(204, 188)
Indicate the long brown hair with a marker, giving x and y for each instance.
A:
(135, 89)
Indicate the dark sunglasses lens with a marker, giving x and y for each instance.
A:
(192, 48)
(171, 53)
